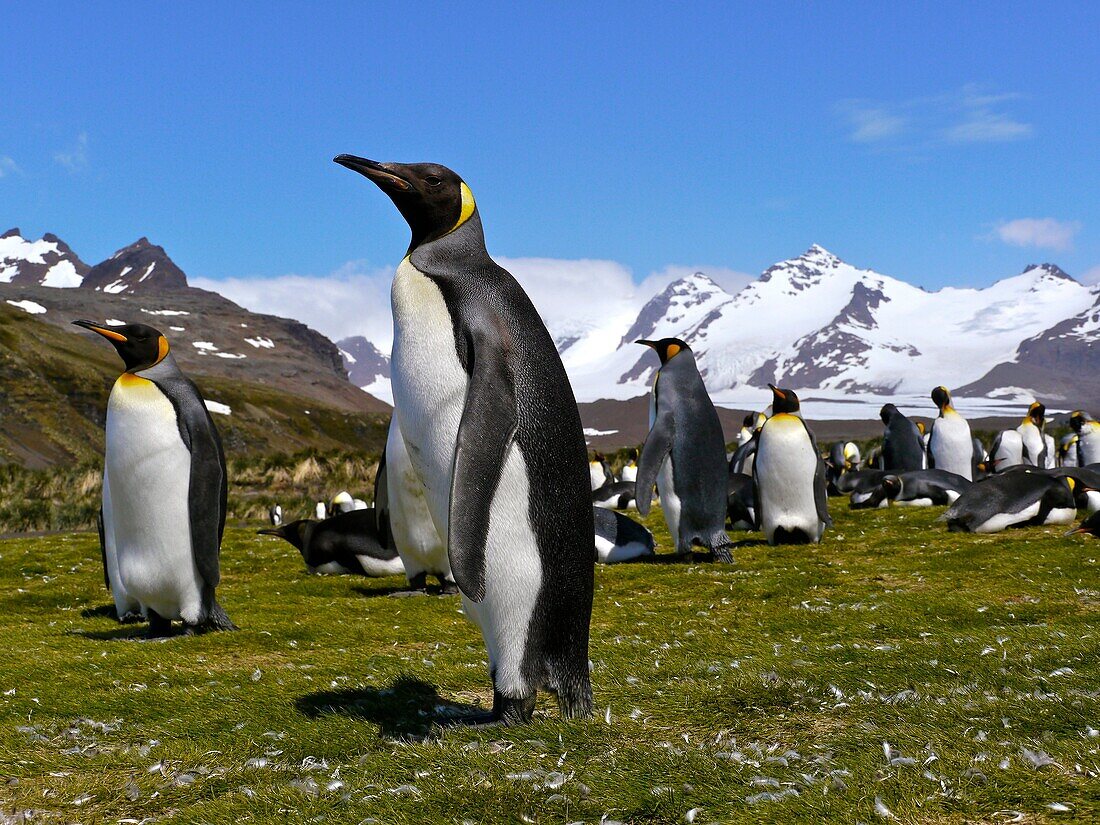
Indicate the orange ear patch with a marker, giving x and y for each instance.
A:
(673, 349)
(162, 348)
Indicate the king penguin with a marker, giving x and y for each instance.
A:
(789, 475)
(1035, 446)
(902, 444)
(1088, 437)
(164, 485)
(685, 454)
(950, 445)
(492, 428)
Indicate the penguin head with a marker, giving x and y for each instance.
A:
(892, 485)
(139, 346)
(1077, 420)
(941, 397)
(887, 412)
(783, 401)
(1036, 413)
(667, 348)
(293, 532)
(433, 200)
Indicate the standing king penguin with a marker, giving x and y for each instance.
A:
(1036, 450)
(902, 444)
(950, 445)
(492, 427)
(164, 486)
(789, 475)
(1087, 429)
(685, 454)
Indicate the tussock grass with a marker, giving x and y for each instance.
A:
(68, 498)
(894, 671)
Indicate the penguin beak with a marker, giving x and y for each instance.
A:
(778, 393)
(644, 342)
(386, 179)
(109, 334)
(271, 531)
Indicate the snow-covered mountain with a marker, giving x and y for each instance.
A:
(817, 323)
(45, 262)
(139, 267)
(367, 368)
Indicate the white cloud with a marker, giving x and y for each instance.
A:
(872, 124)
(1047, 233)
(731, 280)
(571, 296)
(983, 126)
(7, 166)
(969, 114)
(353, 300)
(76, 158)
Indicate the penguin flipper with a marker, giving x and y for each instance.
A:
(382, 502)
(658, 444)
(821, 492)
(485, 434)
(103, 548)
(208, 475)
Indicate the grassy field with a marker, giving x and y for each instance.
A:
(895, 673)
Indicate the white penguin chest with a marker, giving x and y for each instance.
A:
(785, 466)
(429, 382)
(951, 444)
(150, 476)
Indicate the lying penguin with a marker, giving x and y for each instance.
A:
(615, 495)
(620, 538)
(1012, 499)
(861, 486)
(346, 543)
(924, 488)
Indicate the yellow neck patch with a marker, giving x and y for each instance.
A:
(129, 380)
(468, 206)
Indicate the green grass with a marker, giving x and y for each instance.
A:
(784, 673)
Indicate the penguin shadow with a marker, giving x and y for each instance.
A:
(410, 707)
(104, 611)
(397, 591)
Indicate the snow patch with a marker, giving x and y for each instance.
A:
(229, 355)
(266, 343)
(29, 306)
(217, 407)
(114, 322)
(204, 346)
(62, 275)
(164, 312)
(591, 432)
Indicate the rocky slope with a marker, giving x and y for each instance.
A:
(277, 384)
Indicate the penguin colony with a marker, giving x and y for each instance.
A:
(482, 484)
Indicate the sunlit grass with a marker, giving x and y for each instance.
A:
(759, 692)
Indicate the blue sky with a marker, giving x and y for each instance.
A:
(942, 146)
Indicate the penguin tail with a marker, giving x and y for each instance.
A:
(218, 619)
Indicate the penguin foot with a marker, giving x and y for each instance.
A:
(130, 617)
(448, 588)
(513, 711)
(218, 620)
(721, 554)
